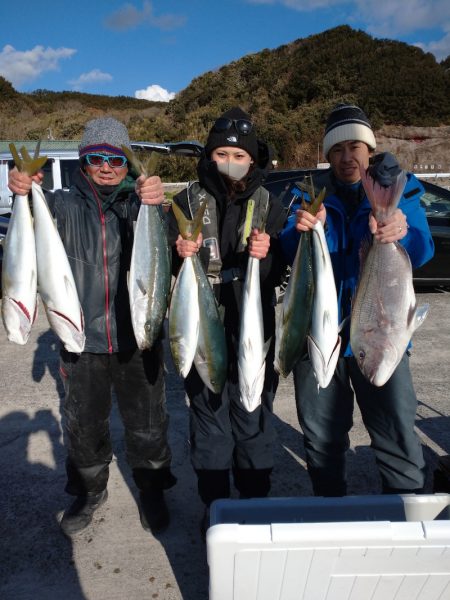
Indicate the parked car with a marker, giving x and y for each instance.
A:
(435, 200)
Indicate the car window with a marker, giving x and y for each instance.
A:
(47, 183)
(68, 168)
(436, 203)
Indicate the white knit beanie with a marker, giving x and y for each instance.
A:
(345, 123)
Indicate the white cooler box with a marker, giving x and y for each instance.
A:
(351, 548)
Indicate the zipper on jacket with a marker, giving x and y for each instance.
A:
(106, 277)
(105, 267)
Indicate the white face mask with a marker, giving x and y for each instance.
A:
(235, 171)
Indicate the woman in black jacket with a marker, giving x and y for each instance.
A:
(224, 435)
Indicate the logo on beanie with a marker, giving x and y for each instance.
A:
(232, 139)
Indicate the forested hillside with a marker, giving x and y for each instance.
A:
(288, 91)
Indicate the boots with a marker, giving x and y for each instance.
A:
(153, 511)
(79, 514)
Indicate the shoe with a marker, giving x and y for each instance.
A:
(204, 523)
(153, 511)
(79, 514)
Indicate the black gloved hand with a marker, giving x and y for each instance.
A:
(384, 168)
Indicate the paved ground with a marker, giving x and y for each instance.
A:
(114, 558)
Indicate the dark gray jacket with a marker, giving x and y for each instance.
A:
(98, 238)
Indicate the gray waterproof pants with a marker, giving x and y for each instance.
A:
(388, 413)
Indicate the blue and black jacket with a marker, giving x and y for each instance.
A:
(347, 227)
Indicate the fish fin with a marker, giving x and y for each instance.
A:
(251, 398)
(419, 315)
(17, 160)
(27, 164)
(344, 323)
(323, 370)
(141, 287)
(182, 220)
(266, 347)
(189, 229)
(248, 221)
(143, 163)
(198, 221)
(383, 200)
(315, 202)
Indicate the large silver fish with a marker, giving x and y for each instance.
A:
(184, 310)
(150, 268)
(150, 276)
(19, 274)
(19, 271)
(294, 317)
(211, 354)
(324, 342)
(184, 318)
(384, 312)
(55, 281)
(252, 347)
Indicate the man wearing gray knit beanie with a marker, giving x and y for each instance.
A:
(95, 221)
(388, 410)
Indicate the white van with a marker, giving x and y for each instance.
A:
(63, 161)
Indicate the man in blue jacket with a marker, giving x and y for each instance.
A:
(389, 411)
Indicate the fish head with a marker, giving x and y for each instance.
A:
(377, 359)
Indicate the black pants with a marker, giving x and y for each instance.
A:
(388, 413)
(226, 438)
(138, 381)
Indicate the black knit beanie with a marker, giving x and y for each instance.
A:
(347, 122)
(232, 136)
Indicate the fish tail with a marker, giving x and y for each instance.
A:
(189, 229)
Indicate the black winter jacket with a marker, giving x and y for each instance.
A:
(98, 239)
(231, 215)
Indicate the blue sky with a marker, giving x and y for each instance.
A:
(154, 48)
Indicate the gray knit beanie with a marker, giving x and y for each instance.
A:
(105, 134)
(346, 123)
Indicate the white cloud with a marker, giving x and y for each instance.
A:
(388, 18)
(129, 17)
(391, 18)
(154, 92)
(86, 79)
(301, 5)
(440, 48)
(22, 67)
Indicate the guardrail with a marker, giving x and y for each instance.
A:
(432, 175)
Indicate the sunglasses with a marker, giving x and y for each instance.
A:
(114, 161)
(243, 126)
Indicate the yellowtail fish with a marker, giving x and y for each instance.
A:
(150, 268)
(55, 280)
(252, 347)
(294, 316)
(19, 270)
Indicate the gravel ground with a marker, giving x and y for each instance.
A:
(115, 558)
